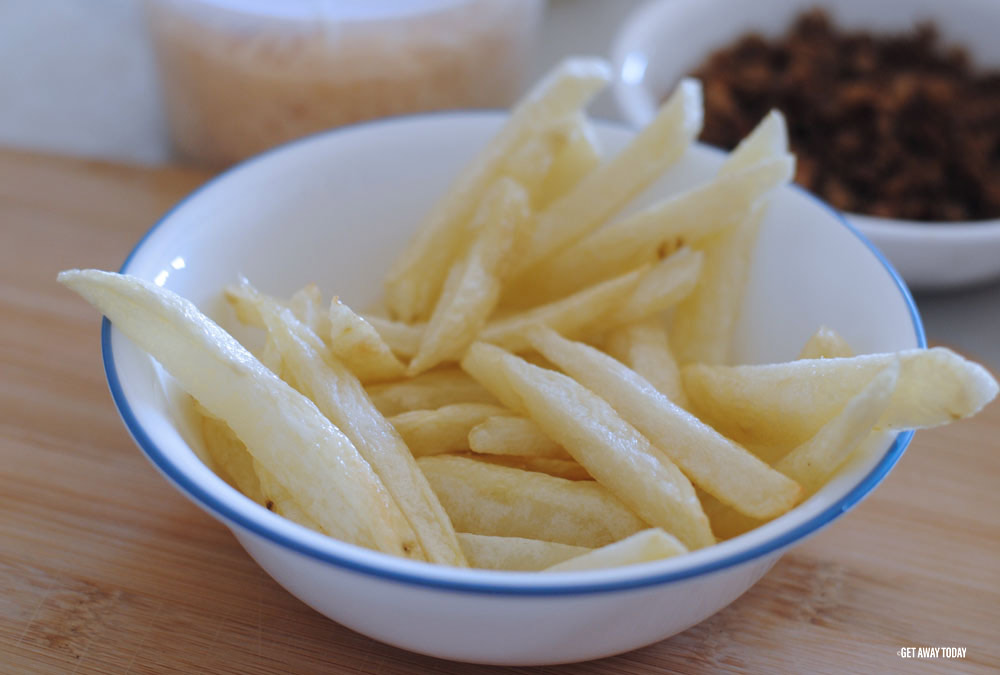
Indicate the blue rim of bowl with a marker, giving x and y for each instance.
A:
(207, 500)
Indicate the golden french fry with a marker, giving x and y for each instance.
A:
(579, 156)
(446, 429)
(236, 465)
(826, 343)
(608, 447)
(485, 498)
(711, 461)
(415, 279)
(359, 345)
(472, 289)
(785, 404)
(239, 299)
(768, 139)
(403, 338)
(558, 152)
(307, 306)
(346, 334)
(233, 462)
(427, 391)
(704, 322)
(572, 315)
(662, 286)
(726, 521)
(685, 218)
(707, 318)
(279, 499)
(270, 357)
(281, 428)
(512, 435)
(812, 463)
(569, 469)
(529, 163)
(340, 396)
(643, 346)
(645, 546)
(611, 185)
(306, 303)
(515, 554)
(484, 363)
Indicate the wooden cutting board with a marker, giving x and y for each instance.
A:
(105, 568)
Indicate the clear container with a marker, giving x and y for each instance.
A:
(240, 76)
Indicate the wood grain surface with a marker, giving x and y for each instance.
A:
(105, 568)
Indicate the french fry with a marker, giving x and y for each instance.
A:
(530, 162)
(341, 398)
(569, 469)
(812, 463)
(446, 429)
(513, 435)
(515, 554)
(346, 334)
(307, 306)
(643, 346)
(245, 309)
(715, 464)
(611, 185)
(553, 159)
(415, 279)
(270, 357)
(427, 391)
(472, 288)
(607, 446)
(359, 345)
(306, 303)
(785, 404)
(484, 363)
(237, 466)
(685, 218)
(645, 546)
(571, 315)
(768, 140)
(279, 499)
(484, 498)
(403, 338)
(726, 521)
(705, 321)
(665, 284)
(281, 428)
(231, 458)
(826, 343)
(579, 156)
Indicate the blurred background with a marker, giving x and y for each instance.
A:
(208, 82)
(80, 77)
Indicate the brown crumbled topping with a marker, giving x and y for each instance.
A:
(889, 125)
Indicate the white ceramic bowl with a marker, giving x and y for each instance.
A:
(663, 41)
(335, 209)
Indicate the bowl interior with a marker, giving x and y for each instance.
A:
(336, 208)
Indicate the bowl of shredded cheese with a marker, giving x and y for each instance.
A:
(240, 76)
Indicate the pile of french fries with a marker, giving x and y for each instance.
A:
(547, 385)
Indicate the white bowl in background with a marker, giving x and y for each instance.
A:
(335, 209)
(660, 42)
